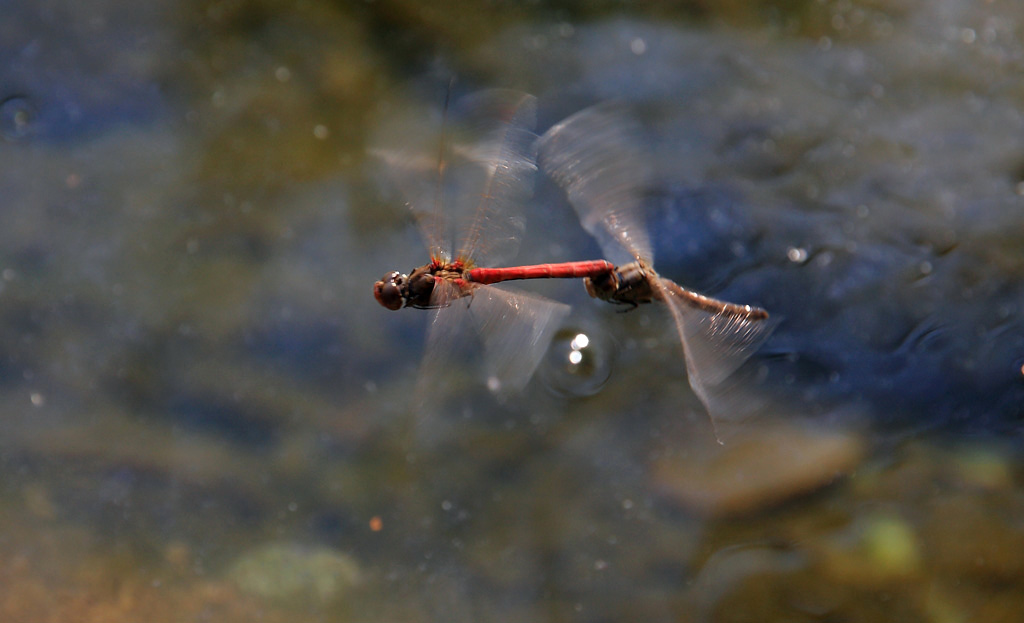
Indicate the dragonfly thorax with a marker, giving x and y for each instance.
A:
(629, 284)
(419, 287)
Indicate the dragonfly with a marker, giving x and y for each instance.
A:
(594, 155)
(474, 192)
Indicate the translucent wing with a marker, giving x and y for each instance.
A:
(715, 343)
(417, 170)
(594, 155)
(466, 182)
(516, 329)
(446, 335)
(497, 176)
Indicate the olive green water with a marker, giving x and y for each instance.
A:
(207, 417)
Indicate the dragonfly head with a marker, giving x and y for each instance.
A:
(396, 290)
(390, 291)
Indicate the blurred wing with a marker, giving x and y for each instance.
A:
(417, 170)
(594, 155)
(516, 329)
(443, 370)
(479, 171)
(715, 344)
(495, 176)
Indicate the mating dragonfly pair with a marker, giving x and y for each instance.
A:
(594, 156)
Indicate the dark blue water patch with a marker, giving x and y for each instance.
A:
(604, 62)
(308, 348)
(555, 221)
(150, 378)
(12, 370)
(31, 260)
(63, 115)
(924, 367)
(64, 79)
(322, 352)
(124, 499)
(916, 333)
(702, 237)
(331, 525)
(216, 415)
(23, 327)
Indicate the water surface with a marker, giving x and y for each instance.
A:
(206, 415)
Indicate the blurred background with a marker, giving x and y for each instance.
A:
(206, 416)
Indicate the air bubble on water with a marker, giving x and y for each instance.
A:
(493, 384)
(16, 117)
(797, 255)
(578, 362)
(537, 42)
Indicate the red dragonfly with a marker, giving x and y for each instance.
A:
(483, 185)
(594, 156)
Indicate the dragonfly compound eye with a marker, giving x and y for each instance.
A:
(388, 291)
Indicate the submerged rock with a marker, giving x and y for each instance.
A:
(285, 572)
(875, 550)
(763, 465)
